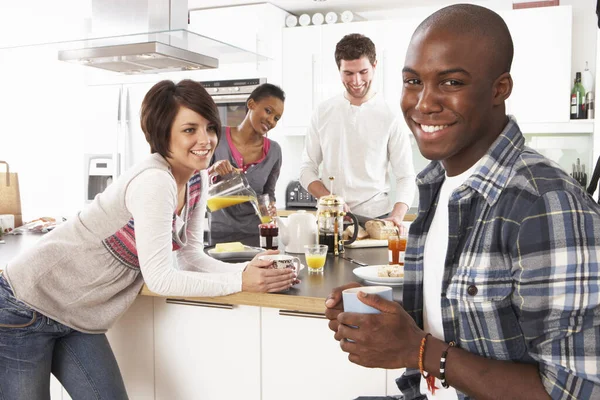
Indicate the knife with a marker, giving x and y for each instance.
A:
(352, 260)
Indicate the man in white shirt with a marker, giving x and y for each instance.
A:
(355, 135)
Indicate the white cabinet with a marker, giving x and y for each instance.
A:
(396, 37)
(260, 23)
(301, 74)
(541, 68)
(132, 341)
(206, 353)
(301, 360)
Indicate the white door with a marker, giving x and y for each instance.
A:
(206, 353)
(302, 360)
(541, 68)
(301, 73)
(132, 341)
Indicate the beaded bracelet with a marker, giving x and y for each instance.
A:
(430, 379)
(443, 365)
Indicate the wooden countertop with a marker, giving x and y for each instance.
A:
(308, 296)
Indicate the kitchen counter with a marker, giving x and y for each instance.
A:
(286, 212)
(308, 296)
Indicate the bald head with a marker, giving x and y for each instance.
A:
(462, 20)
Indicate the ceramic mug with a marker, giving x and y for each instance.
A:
(353, 304)
(281, 261)
(7, 223)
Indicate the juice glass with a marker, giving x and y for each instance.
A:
(266, 207)
(315, 255)
(397, 248)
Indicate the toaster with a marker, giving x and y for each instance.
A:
(298, 197)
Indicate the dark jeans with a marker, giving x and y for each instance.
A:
(32, 346)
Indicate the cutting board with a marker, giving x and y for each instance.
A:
(367, 243)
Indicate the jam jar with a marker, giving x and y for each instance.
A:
(269, 236)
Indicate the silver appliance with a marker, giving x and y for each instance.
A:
(298, 197)
(99, 174)
(151, 57)
(148, 36)
(231, 96)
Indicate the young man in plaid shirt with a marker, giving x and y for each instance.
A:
(503, 258)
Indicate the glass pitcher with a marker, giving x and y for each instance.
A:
(229, 190)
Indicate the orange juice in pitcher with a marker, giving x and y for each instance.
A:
(232, 189)
(219, 202)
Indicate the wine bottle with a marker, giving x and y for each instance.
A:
(577, 99)
(587, 79)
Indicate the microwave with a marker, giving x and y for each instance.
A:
(298, 197)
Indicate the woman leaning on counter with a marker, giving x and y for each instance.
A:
(58, 299)
(247, 148)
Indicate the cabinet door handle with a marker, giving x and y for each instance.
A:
(302, 314)
(200, 304)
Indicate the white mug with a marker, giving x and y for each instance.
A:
(353, 304)
(7, 223)
(281, 261)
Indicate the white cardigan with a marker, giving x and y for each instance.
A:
(72, 278)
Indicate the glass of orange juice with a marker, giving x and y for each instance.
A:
(265, 208)
(315, 255)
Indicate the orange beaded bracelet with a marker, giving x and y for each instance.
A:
(430, 379)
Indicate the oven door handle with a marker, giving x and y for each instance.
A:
(230, 98)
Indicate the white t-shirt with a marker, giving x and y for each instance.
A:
(434, 258)
(355, 144)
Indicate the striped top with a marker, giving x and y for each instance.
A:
(122, 244)
(522, 274)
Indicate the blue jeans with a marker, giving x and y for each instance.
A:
(32, 346)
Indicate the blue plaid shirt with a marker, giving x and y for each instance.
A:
(522, 275)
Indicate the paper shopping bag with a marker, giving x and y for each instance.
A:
(10, 197)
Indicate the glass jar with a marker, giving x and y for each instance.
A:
(397, 249)
(269, 236)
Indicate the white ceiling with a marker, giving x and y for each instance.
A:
(307, 6)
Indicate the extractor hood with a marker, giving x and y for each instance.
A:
(147, 36)
(148, 57)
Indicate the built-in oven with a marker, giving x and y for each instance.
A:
(231, 96)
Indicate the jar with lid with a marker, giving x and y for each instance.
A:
(269, 236)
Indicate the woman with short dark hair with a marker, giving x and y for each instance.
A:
(247, 148)
(58, 299)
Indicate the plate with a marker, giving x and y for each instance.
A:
(247, 254)
(369, 275)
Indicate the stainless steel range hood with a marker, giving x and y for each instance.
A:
(149, 57)
(146, 36)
